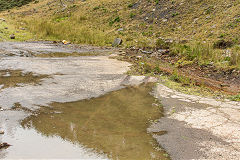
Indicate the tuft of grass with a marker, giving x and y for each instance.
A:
(235, 98)
(132, 15)
(175, 14)
(160, 43)
(205, 53)
(114, 20)
(235, 57)
(130, 5)
(196, 52)
(180, 79)
(69, 31)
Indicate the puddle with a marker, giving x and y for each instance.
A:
(15, 78)
(74, 54)
(114, 125)
(29, 144)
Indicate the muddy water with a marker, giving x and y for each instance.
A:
(55, 120)
(74, 54)
(114, 124)
(14, 78)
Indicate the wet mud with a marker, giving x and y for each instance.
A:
(15, 78)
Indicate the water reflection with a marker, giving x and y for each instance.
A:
(13, 78)
(114, 124)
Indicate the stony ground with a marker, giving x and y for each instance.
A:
(197, 127)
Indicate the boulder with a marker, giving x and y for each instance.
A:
(117, 42)
(65, 42)
(12, 36)
(145, 52)
(120, 29)
(2, 19)
(4, 145)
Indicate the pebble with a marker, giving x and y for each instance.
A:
(2, 19)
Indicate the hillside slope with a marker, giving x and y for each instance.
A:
(8, 4)
(141, 20)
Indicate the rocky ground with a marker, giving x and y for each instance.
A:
(226, 80)
(197, 127)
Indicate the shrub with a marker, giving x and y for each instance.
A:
(161, 44)
(117, 19)
(222, 44)
(8, 4)
(235, 98)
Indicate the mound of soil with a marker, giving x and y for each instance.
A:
(226, 80)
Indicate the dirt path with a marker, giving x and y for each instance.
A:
(198, 128)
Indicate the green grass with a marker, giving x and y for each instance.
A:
(7, 29)
(235, 98)
(8, 4)
(185, 81)
(204, 53)
(62, 28)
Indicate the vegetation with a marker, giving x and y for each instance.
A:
(235, 98)
(6, 30)
(58, 30)
(152, 67)
(8, 4)
(212, 37)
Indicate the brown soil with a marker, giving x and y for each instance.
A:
(226, 80)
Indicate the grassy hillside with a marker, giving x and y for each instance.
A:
(208, 28)
(8, 4)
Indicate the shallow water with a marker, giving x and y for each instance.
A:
(14, 78)
(114, 125)
(74, 54)
(27, 143)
